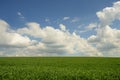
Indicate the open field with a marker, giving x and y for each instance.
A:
(59, 68)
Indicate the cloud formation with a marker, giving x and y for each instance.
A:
(50, 41)
(58, 41)
(11, 38)
(33, 40)
(109, 14)
(107, 39)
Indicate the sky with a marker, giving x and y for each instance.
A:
(60, 28)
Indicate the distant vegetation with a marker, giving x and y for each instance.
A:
(59, 68)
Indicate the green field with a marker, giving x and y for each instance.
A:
(59, 68)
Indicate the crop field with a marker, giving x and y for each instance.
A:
(59, 68)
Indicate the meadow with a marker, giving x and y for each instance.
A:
(59, 68)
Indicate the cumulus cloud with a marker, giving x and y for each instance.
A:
(107, 39)
(33, 40)
(56, 41)
(51, 41)
(109, 14)
(11, 39)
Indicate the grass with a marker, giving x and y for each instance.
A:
(59, 68)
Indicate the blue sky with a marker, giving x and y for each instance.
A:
(55, 10)
(89, 23)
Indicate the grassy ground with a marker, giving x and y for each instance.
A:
(59, 68)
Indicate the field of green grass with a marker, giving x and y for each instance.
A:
(59, 68)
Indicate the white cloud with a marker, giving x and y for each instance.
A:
(107, 39)
(66, 18)
(109, 14)
(62, 27)
(56, 41)
(32, 29)
(3, 25)
(91, 26)
(53, 41)
(10, 38)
